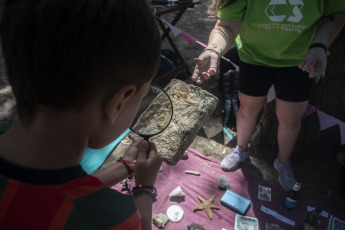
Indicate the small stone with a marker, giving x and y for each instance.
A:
(195, 227)
(177, 192)
(160, 220)
(161, 168)
(223, 182)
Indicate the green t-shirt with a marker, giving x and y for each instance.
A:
(277, 33)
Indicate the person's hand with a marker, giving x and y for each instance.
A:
(314, 62)
(132, 153)
(147, 164)
(206, 66)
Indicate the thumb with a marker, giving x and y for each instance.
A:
(197, 61)
(142, 150)
(323, 69)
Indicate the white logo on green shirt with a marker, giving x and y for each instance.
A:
(297, 14)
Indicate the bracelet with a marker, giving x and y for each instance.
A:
(141, 188)
(211, 50)
(130, 169)
(318, 45)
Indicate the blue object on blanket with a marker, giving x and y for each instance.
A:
(92, 159)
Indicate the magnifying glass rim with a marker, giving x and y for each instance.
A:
(172, 114)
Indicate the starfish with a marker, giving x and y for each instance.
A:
(207, 205)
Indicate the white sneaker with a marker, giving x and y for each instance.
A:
(286, 178)
(231, 161)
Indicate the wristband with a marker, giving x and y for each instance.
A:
(318, 45)
(212, 50)
(141, 188)
(130, 169)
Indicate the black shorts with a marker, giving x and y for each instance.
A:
(290, 83)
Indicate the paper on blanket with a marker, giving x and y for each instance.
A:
(337, 224)
(246, 223)
(277, 215)
(177, 192)
(270, 226)
(264, 193)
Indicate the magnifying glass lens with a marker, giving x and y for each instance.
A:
(154, 114)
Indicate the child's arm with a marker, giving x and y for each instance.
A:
(145, 173)
(117, 172)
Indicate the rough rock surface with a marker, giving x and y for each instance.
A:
(223, 182)
(192, 106)
(160, 220)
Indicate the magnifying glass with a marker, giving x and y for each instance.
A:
(154, 114)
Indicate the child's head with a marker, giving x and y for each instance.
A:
(61, 53)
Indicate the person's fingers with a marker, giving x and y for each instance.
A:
(198, 61)
(152, 150)
(311, 74)
(308, 66)
(302, 64)
(317, 67)
(142, 151)
(137, 142)
(323, 68)
(200, 80)
(205, 75)
(213, 66)
(198, 70)
(195, 74)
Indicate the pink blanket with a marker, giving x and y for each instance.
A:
(206, 185)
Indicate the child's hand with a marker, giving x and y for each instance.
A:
(147, 164)
(132, 153)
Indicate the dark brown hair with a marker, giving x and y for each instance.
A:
(60, 53)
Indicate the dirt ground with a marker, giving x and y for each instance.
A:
(324, 182)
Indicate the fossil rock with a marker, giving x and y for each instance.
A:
(223, 182)
(192, 105)
(160, 220)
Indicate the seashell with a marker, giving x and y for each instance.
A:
(177, 192)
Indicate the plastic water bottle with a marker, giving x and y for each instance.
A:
(292, 196)
(312, 219)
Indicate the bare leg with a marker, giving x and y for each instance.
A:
(289, 116)
(247, 116)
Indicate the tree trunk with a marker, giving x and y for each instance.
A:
(314, 157)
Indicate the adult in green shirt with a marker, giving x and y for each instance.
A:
(281, 43)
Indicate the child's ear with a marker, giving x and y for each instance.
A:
(117, 101)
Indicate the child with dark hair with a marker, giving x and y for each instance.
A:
(78, 70)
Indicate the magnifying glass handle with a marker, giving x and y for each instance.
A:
(148, 141)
